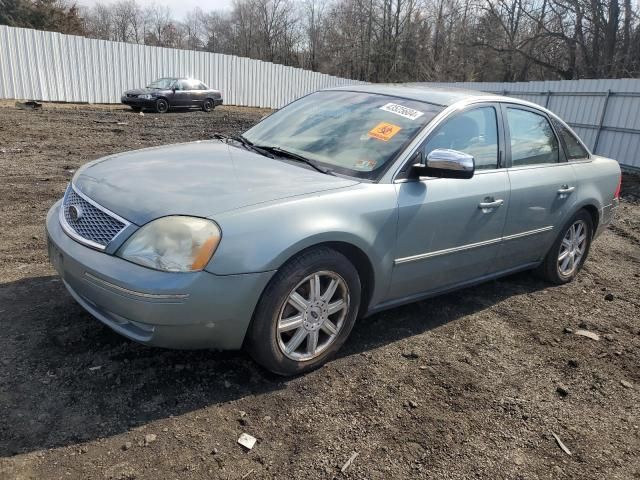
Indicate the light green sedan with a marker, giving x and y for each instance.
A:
(346, 202)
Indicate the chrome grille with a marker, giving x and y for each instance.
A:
(87, 222)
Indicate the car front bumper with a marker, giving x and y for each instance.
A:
(164, 309)
(138, 102)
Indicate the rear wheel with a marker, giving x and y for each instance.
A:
(306, 312)
(569, 251)
(162, 106)
(208, 105)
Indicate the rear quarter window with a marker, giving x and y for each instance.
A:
(572, 145)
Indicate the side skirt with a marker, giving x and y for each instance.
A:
(451, 288)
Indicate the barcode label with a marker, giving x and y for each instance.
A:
(405, 112)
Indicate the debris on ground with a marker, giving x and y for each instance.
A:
(11, 150)
(412, 355)
(588, 334)
(609, 297)
(348, 463)
(247, 441)
(149, 438)
(562, 390)
(112, 122)
(560, 444)
(29, 105)
(626, 384)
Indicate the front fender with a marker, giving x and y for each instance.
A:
(263, 237)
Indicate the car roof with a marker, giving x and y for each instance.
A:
(443, 96)
(179, 78)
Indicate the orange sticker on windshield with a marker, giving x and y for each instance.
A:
(384, 131)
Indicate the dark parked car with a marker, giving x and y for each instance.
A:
(166, 93)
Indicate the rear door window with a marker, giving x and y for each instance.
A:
(533, 141)
(193, 85)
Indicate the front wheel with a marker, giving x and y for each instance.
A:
(569, 252)
(162, 106)
(306, 312)
(208, 105)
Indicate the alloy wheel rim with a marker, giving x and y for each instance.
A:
(572, 248)
(162, 106)
(312, 316)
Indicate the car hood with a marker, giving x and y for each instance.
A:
(141, 91)
(199, 178)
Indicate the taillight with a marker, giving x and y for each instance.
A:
(617, 194)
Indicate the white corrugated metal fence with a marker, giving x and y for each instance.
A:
(50, 66)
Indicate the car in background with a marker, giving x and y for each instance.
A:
(344, 203)
(166, 93)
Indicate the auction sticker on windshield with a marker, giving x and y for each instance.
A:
(401, 110)
(384, 131)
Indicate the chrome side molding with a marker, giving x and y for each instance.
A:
(447, 251)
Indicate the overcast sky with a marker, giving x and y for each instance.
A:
(178, 7)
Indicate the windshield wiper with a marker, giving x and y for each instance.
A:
(244, 142)
(295, 156)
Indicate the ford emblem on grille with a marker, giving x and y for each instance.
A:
(75, 213)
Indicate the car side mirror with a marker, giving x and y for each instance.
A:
(444, 163)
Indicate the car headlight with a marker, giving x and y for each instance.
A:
(173, 244)
(146, 96)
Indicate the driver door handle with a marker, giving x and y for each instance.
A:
(490, 205)
(564, 189)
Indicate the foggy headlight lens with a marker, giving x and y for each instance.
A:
(173, 244)
(146, 96)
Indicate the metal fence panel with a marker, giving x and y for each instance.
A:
(50, 66)
(605, 113)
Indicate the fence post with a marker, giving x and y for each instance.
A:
(546, 102)
(604, 112)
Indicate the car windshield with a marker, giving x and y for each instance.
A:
(353, 133)
(161, 83)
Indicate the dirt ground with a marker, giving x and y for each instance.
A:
(469, 385)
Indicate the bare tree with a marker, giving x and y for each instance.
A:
(380, 40)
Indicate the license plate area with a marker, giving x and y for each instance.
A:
(55, 257)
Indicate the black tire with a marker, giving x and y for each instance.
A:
(162, 106)
(208, 105)
(136, 109)
(265, 344)
(549, 269)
